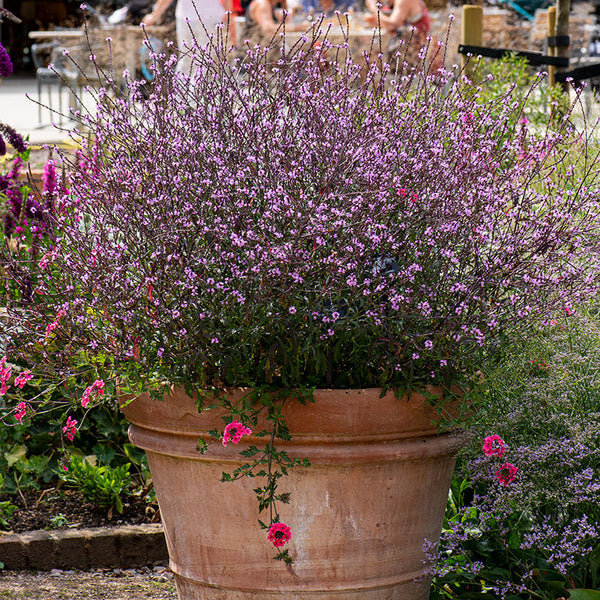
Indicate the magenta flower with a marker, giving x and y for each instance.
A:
(22, 378)
(96, 388)
(234, 432)
(4, 376)
(70, 428)
(49, 181)
(507, 473)
(279, 534)
(20, 412)
(6, 66)
(493, 445)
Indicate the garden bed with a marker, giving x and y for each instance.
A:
(63, 509)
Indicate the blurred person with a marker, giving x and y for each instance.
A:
(403, 13)
(328, 7)
(195, 20)
(409, 23)
(263, 20)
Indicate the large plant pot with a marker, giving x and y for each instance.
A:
(375, 491)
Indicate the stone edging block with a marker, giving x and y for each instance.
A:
(98, 547)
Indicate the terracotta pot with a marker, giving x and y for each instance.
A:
(375, 491)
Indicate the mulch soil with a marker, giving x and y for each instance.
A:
(103, 584)
(35, 510)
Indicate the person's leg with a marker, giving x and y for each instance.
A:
(195, 32)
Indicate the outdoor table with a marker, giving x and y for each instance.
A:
(126, 40)
(360, 37)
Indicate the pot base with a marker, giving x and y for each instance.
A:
(193, 590)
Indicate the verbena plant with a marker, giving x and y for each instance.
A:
(319, 221)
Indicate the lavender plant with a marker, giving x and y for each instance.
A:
(320, 221)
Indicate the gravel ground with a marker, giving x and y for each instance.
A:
(106, 584)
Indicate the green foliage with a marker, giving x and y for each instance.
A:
(512, 79)
(101, 485)
(6, 512)
(492, 560)
(57, 521)
(559, 400)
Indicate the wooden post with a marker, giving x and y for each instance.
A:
(471, 34)
(551, 49)
(562, 29)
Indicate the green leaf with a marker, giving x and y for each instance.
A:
(15, 455)
(582, 594)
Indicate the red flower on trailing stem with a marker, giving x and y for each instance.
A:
(493, 445)
(507, 473)
(70, 428)
(279, 534)
(234, 432)
(96, 388)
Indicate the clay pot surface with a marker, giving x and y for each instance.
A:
(375, 491)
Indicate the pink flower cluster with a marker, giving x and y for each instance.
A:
(49, 179)
(4, 376)
(279, 534)
(70, 428)
(20, 412)
(97, 389)
(52, 326)
(234, 432)
(493, 445)
(507, 473)
(22, 378)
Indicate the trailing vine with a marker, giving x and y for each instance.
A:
(267, 462)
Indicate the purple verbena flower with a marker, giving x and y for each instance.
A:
(6, 66)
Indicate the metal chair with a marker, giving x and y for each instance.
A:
(46, 77)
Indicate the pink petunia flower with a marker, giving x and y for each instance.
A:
(279, 534)
(234, 432)
(70, 428)
(20, 412)
(507, 473)
(96, 388)
(4, 376)
(22, 378)
(493, 445)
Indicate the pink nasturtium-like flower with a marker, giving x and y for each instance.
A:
(20, 412)
(22, 378)
(279, 534)
(4, 376)
(493, 445)
(70, 428)
(97, 387)
(507, 473)
(234, 432)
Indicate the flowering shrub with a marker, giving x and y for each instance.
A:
(545, 522)
(538, 536)
(313, 223)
